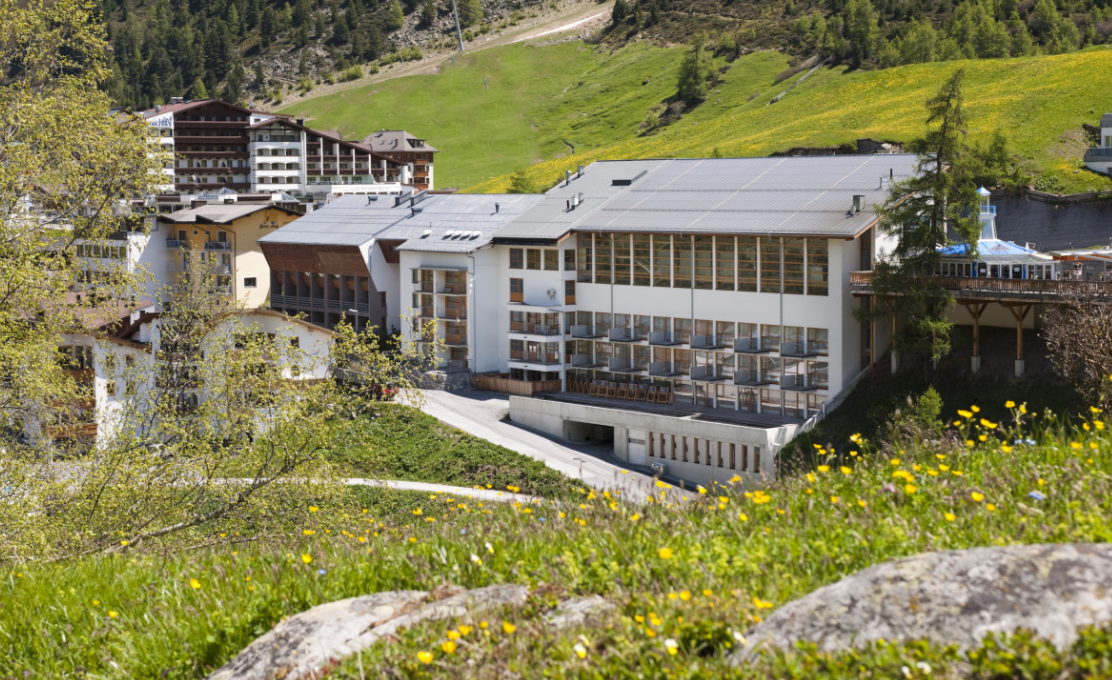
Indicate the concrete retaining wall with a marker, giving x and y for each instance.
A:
(645, 438)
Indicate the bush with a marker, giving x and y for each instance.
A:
(353, 73)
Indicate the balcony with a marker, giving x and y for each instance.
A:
(1098, 154)
(795, 383)
(175, 243)
(747, 378)
(535, 329)
(452, 313)
(422, 286)
(426, 313)
(706, 374)
(453, 340)
(707, 342)
(622, 335)
(214, 154)
(984, 288)
(218, 245)
(662, 369)
(224, 269)
(584, 361)
(176, 266)
(749, 346)
(662, 339)
(798, 350)
(538, 358)
(585, 332)
(452, 289)
(622, 365)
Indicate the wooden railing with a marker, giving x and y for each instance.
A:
(1028, 287)
(521, 388)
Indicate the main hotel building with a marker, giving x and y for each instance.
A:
(696, 312)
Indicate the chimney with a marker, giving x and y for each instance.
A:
(580, 172)
(858, 203)
(497, 208)
(567, 177)
(300, 121)
(197, 203)
(891, 174)
(177, 100)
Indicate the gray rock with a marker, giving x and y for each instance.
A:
(302, 645)
(953, 597)
(577, 611)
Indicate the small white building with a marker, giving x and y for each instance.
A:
(118, 364)
(1099, 158)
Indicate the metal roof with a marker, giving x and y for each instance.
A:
(353, 220)
(786, 196)
(220, 213)
(1106, 120)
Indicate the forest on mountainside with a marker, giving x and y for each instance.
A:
(256, 50)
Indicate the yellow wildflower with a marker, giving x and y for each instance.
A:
(424, 657)
(665, 553)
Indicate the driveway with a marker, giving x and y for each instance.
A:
(482, 414)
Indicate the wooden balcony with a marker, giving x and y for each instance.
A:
(523, 388)
(1020, 290)
(71, 431)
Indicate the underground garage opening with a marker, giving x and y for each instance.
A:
(588, 433)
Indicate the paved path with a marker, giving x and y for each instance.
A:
(482, 414)
(463, 491)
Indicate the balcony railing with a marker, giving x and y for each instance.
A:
(422, 286)
(706, 342)
(747, 378)
(451, 313)
(622, 335)
(453, 289)
(622, 365)
(535, 358)
(749, 346)
(797, 350)
(584, 331)
(662, 369)
(706, 374)
(662, 339)
(455, 340)
(795, 383)
(535, 329)
(990, 287)
(175, 243)
(218, 245)
(1098, 154)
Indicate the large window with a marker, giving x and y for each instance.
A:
(533, 259)
(602, 323)
(552, 260)
(681, 274)
(724, 256)
(641, 325)
(583, 259)
(662, 260)
(517, 290)
(818, 256)
(602, 260)
(517, 258)
(642, 259)
(682, 330)
(747, 263)
(770, 337)
(770, 265)
(817, 340)
(704, 262)
(793, 266)
(622, 259)
(569, 260)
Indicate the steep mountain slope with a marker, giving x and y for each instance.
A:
(539, 100)
(262, 50)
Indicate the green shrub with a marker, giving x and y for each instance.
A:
(353, 73)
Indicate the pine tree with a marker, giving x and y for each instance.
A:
(861, 30)
(696, 71)
(260, 76)
(619, 13)
(318, 26)
(920, 210)
(470, 12)
(396, 19)
(428, 13)
(198, 90)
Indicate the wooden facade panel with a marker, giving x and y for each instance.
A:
(325, 259)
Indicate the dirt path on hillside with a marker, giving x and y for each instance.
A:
(581, 15)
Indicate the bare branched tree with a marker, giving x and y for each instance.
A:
(1078, 333)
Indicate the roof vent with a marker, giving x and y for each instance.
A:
(449, 234)
(425, 233)
(858, 204)
(567, 177)
(497, 208)
(371, 199)
(579, 173)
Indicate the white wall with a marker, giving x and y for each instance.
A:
(388, 278)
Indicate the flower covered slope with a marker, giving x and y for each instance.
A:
(688, 577)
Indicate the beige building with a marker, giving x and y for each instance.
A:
(226, 238)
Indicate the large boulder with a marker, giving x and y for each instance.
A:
(954, 597)
(303, 645)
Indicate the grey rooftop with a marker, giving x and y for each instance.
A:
(784, 196)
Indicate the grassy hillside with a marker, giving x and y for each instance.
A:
(694, 573)
(536, 98)
(1040, 103)
(492, 111)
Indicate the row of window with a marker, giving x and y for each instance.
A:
(234, 163)
(278, 152)
(534, 258)
(679, 330)
(722, 394)
(1044, 272)
(278, 166)
(93, 250)
(732, 263)
(726, 455)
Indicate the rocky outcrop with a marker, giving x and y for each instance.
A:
(302, 645)
(953, 597)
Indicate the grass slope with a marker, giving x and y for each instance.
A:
(404, 443)
(1040, 103)
(537, 98)
(694, 573)
(495, 110)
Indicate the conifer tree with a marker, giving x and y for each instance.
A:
(470, 12)
(696, 70)
(940, 198)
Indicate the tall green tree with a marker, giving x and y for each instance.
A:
(470, 12)
(696, 72)
(920, 213)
